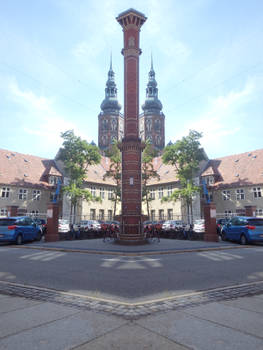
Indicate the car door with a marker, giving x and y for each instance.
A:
(30, 228)
(234, 229)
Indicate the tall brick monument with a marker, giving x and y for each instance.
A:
(131, 146)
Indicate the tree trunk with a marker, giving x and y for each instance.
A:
(147, 203)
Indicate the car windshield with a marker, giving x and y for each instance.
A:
(63, 221)
(7, 222)
(199, 222)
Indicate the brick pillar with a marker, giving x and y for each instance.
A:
(12, 210)
(131, 146)
(250, 210)
(210, 223)
(52, 223)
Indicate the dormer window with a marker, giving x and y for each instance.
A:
(210, 180)
(53, 180)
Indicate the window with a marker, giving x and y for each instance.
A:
(102, 193)
(259, 212)
(35, 212)
(93, 191)
(240, 194)
(153, 215)
(36, 195)
(161, 214)
(160, 192)
(101, 214)
(92, 214)
(170, 214)
(109, 214)
(5, 192)
(226, 195)
(22, 195)
(152, 194)
(256, 191)
(53, 180)
(3, 212)
(169, 191)
(110, 194)
(228, 213)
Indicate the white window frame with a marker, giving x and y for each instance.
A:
(93, 191)
(161, 214)
(226, 195)
(22, 194)
(169, 191)
(170, 214)
(160, 192)
(102, 192)
(110, 194)
(259, 212)
(228, 213)
(3, 212)
(152, 194)
(5, 192)
(92, 214)
(257, 192)
(110, 214)
(101, 214)
(240, 194)
(36, 195)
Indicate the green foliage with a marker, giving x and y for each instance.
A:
(185, 155)
(148, 172)
(77, 155)
(114, 171)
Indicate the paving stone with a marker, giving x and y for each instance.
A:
(10, 303)
(63, 334)
(230, 316)
(131, 337)
(199, 334)
(254, 303)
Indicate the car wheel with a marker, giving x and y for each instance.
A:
(19, 239)
(243, 240)
(223, 236)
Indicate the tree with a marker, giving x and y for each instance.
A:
(114, 172)
(185, 155)
(77, 155)
(148, 172)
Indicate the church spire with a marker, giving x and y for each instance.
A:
(152, 103)
(110, 104)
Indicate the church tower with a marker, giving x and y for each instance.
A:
(152, 119)
(110, 118)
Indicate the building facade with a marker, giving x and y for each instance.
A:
(27, 183)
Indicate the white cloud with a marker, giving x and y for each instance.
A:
(41, 119)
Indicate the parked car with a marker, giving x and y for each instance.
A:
(87, 226)
(173, 225)
(243, 229)
(219, 224)
(199, 225)
(42, 224)
(63, 226)
(19, 229)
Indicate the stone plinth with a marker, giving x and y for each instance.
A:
(250, 210)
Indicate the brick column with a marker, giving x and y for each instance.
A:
(210, 223)
(250, 210)
(52, 223)
(12, 210)
(131, 146)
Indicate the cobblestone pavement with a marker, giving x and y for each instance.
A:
(131, 311)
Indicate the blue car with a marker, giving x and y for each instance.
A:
(243, 229)
(19, 229)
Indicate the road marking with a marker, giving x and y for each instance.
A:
(220, 256)
(123, 263)
(43, 256)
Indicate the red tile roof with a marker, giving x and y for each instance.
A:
(237, 170)
(25, 170)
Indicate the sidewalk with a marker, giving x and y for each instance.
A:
(27, 324)
(165, 246)
(38, 318)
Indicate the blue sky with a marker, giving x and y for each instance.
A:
(207, 54)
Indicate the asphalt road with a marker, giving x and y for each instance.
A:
(131, 278)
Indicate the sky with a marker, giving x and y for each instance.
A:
(55, 57)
